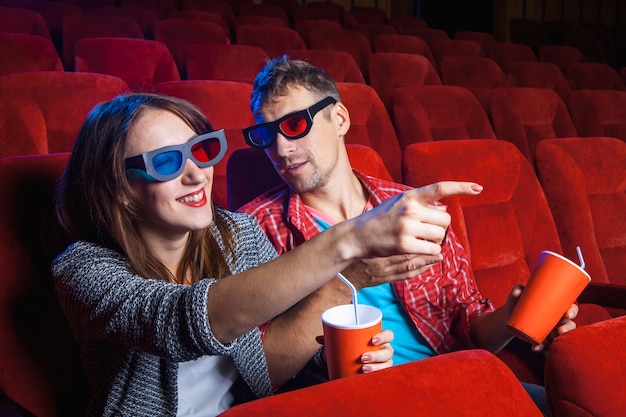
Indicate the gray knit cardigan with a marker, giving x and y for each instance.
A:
(133, 331)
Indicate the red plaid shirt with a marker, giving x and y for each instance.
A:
(441, 301)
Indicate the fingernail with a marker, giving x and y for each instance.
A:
(375, 340)
(366, 369)
(366, 357)
(476, 187)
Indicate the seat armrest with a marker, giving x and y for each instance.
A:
(606, 295)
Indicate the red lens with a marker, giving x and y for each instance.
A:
(294, 126)
(206, 150)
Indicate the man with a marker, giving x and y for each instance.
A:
(437, 309)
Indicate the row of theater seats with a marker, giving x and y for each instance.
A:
(504, 230)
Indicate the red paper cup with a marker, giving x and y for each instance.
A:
(553, 286)
(345, 341)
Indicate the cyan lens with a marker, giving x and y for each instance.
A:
(167, 163)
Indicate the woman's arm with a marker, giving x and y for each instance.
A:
(404, 224)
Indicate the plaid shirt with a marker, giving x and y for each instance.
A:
(441, 301)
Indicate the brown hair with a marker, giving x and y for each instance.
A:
(281, 74)
(94, 201)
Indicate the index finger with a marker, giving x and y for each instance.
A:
(436, 191)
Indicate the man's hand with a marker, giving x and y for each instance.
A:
(376, 271)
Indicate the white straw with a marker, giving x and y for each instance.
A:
(355, 301)
(580, 257)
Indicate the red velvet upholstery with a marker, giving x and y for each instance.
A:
(314, 13)
(428, 113)
(351, 41)
(599, 113)
(161, 8)
(538, 75)
(22, 126)
(406, 44)
(145, 18)
(468, 383)
(53, 12)
(402, 22)
(231, 62)
(61, 99)
(483, 38)
(560, 55)
(204, 16)
(428, 34)
(584, 180)
(585, 371)
(178, 34)
(259, 20)
(593, 76)
(276, 41)
(504, 52)
(39, 366)
(13, 20)
(372, 31)
(225, 103)
(524, 116)
(250, 172)
(141, 63)
(223, 8)
(21, 52)
(366, 14)
(263, 9)
(370, 125)
(305, 26)
(81, 26)
(340, 65)
(443, 48)
(504, 229)
(478, 74)
(389, 70)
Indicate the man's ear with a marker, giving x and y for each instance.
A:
(342, 118)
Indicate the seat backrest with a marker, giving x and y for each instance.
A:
(370, 125)
(226, 104)
(368, 14)
(584, 180)
(506, 227)
(179, 34)
(503, 52)
(406, 44)
(263, 9)
(560, 55)
(80, 26)
(305, 26)
(389, 70)
(340, 65)
(593, 76)
(259, 20)
(599, 112)
(403, 22)
(22, 126)
(141, 63)
(160, 8)
(485, 39)
(145, 18)
(351, 41)
(211, 17)
(427, 33)
(470, 374)
(276, 41)
(432, 113)
(250, 173)
(230, 62)
(477, 74)
(40, 369)
(62, 99)
(443, 48)
(525, 116)
(21, 52)
(29, 22)
(538, 74)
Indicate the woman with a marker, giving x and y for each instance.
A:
(157, 282)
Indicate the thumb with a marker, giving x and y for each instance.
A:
(433, 192)
(513, 297)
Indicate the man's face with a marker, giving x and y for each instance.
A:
(305, 163)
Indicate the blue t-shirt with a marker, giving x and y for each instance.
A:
(408, 343)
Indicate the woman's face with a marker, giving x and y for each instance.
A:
(170, 209)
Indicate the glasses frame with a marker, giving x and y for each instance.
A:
(144, 162)
(274, 126)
